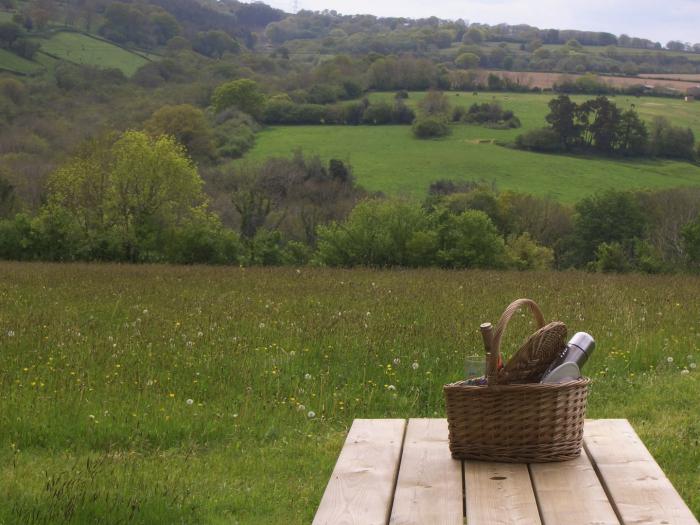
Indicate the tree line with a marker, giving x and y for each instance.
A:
(598, 125)
(137, 197)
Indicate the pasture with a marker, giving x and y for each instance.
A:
(83, 49)
(160, 394)
(16, 64)
(389, 159)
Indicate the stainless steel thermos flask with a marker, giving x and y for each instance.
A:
(568, 365)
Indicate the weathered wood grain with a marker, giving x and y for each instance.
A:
(361, 487)
(429, 487)
(570, 492)
(639, 490)
(499, 494)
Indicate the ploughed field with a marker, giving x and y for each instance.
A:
(162, 394)
(389, 159)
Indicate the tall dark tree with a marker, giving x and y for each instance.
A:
(562, 119)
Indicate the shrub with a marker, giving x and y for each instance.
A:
(544, 140)
(430, 127)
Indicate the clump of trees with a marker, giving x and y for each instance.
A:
(489, 114)
(598, 125)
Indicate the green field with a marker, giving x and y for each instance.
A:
(17, 64)
(389, 159)
(82, 49)
(99, 362)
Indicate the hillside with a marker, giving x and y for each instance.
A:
(390, 160)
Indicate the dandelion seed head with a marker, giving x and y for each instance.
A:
(391, 387)
(669, 359)
(190, 401)
(693, 365)
(685, 371)
(307, 376)
(311, 414)
(414, 365)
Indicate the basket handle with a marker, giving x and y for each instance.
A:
(503, 323)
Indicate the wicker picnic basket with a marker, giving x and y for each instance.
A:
(519, 423)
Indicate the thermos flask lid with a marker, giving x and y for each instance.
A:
(584, 341)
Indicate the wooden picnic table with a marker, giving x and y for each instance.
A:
(398, 472)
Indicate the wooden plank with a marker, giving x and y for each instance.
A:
(361, 487)
(499, 494)
(570, 492)
(638, 489)
(429, 488)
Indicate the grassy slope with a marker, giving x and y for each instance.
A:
(16, 63)
(82, 49)
(98, 362)
(388, 158)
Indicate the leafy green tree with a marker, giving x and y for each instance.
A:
(602, 131)
(243, 94)
(467, 61)
(215, 44)
(469, 240)
(524, 253)
(562, 119)
(187, 125)
(691, 241)
(632, 134)
(473, 36)
(132, 194)
(434, 103)
(378, 233)
(610, 217)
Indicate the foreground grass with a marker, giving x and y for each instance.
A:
(99, 362)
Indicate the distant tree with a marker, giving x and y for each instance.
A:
(164, 27)
(602, 130)
(467, 61)
(243, 94)
(675, 45)
(187, 125)
(632, 134)
(666, 140)
(434, 103)
(9, 33)
(214, 44)
(473, 36)
(562, 120)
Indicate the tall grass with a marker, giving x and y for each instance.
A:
(157, 394)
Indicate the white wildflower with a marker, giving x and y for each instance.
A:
(11, 333)
(307, 376)
(311, 414)
(396, 361)
(685, 371)
(414, 366)
(693, 365)
(669, 359)
(190, 401)
(391, 387)
(301, 408)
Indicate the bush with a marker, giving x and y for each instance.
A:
(430, 127)
(545, 140)
(378, 113)
(377, 233)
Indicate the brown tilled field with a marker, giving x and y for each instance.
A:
(547, 80)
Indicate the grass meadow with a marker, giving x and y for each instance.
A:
(159, 394)
(389, 159)
(83, 49)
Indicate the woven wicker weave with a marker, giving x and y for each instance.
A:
(523, 423)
